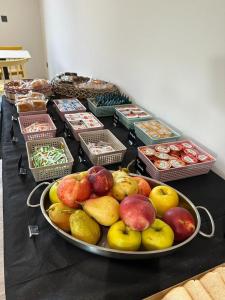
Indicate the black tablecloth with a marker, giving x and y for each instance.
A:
(47, 267)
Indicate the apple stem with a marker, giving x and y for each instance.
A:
(162, 191)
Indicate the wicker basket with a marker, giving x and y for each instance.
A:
(75, 89)
(101, 111)
(76, 132)
(62, 113)
(105, 136)
(52, 171)
(25, 121)
(177, 173)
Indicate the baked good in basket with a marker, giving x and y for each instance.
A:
(39, 104)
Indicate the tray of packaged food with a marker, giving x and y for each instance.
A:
(35, 127)
(31, 103)
(173, 161)
(104, 105)
(208, 285)
(102, 147)
(120, 215)
(128, 114)
(49, 158)
(80, 122)
(69, 105)
(24, 86)
(155, 131)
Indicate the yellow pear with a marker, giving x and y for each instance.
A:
(124, 186)
(60, 215)
(84, 227)
(105, 210)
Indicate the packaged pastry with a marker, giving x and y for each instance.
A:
(161, 155)
(148, 151)
(24, 106)
(186, 145)
(100, 147)
(39, 104)
(202, 157)
(155, 129)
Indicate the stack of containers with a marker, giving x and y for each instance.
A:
(82, 122)
(68, 106)
(155, 131)
(128, 114)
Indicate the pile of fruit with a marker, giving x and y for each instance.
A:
(138, 217)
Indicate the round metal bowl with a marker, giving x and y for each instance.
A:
(102, 248)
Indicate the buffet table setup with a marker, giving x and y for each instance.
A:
(46, 137)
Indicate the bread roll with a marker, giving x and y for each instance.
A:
(221, 271)
(214, 285)
(178, 293)
(196, 290)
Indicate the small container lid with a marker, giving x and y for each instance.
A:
(162, 164)
(162, 149)
(186, 145)
(177, 163)
(189, 159)
(203, 157)
(161, 155)
(191, 151)
(176, 147)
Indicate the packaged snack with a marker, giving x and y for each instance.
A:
(162, 164)
(189, 159)
(162, 149)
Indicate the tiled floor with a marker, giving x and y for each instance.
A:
(2, 284)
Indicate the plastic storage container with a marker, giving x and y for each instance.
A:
(68, 106)
(81, 122)
(170, 174)
(131, 113)
(155, 131)
(51, 171)
(106, 136)
(26, 121)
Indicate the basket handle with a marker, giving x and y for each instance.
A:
(211, 234)
(32, 192)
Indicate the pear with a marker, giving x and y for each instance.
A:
(60, 215)
(105, 210)
(84, 227)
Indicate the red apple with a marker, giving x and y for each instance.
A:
(143, 186)
(101, 180)
(137, 212)
(71, 191)
(181, 221)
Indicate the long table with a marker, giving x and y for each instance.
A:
(47, 267)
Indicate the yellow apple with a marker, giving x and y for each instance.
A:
(121, 237)
(53, 193)
(158, 236)
(163, 197)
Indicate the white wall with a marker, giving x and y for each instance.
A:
(169, 55)
(24, 28)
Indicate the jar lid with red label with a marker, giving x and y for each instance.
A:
(162, 149)
(161, 155)
(162, 164)
(191, 152)
(176, 147)
(149, 151)
(177, 163)
(189, 159)
(186, 145)
(203, 157)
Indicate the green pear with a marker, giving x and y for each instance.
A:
(84, 227)
(105, 210)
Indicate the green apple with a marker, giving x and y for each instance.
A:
(53, 193)
(121, 237)
(158, 236)
(163, 197)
